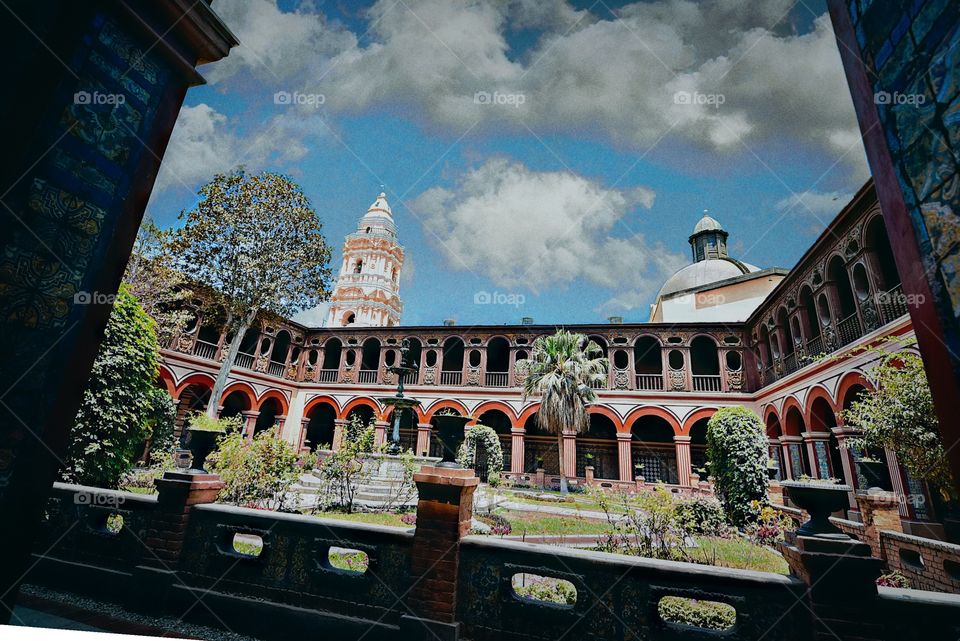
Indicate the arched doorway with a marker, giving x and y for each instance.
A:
(270, 409)
(698, 448)
(598, 447)
(823, 419)
(705, 364)
(848, 326)
(498, 362)
(775, 450)
(539, 445)
(321, 426)
(193, 399)
(452, 367)
(369, 361)
(235, 404)
(794, 425)
(648, 363)
(408, 429)
(654, 456)
(502, 425)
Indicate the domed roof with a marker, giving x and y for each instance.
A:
(707, 223)
(705, 272)
(378, 215)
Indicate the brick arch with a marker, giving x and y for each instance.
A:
(198, 378)
(850, 379)
(496, 405)
(818, 391)
(280, 398)
(672, 420)
(793, 403)
(164, 376)
(244, 388)
(770, 409)
(318, 400)
(704, 412)
(603, 410)
(357, 402)
(444, 403)
(527, 412)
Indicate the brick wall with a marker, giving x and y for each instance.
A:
(930, 565)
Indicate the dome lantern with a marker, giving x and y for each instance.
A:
(709, 239)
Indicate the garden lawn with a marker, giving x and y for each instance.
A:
(376, 518)
(737, 552)
(551, 525)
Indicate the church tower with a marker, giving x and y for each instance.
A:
(367, 293)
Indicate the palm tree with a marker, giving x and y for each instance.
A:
(562, 370)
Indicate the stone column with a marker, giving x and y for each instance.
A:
(423, 439)
(569, 462)
(846, 458)
(684, 464)
(249, 423)
(301, 439)
(380, 432)
(339, 431)
(279, 420)
(788, 442)
(625, 456)
(219, 410)
(444, 514)
(787, 472)
(516, 449)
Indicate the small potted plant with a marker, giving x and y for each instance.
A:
(588, 458)
(203, 434)
(638, 472)
(450, 432)
(820, 498)
(539, 462)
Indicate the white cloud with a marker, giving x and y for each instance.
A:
(522, 228)
(613, 77)
(823, 205)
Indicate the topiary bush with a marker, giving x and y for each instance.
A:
(737, 451)
(702, 614)
(702, 515)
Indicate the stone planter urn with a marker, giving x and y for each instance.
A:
(876, 473)
(772, 473)
(819, 500)
(450, 433)
(200, 444)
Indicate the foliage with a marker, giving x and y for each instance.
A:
(467, 454)
(499, 524)
(347, 469)
(550, 590)
(562, 370)
(652, 531)
(257, 243)
(701, 515)
(201, 422)
(899, 414)
(161, 420)
(737, 451)
(770, 525)
(119, 404)
(895, 579)
(409, 519)
(256, 474)
(356, 562)
(702, 614)
(154, 280)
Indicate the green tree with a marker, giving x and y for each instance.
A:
(737, 451)
(160, 288)
(120, 405)
(562, 370)
(257, 474)
(257, 243)
(899, 414)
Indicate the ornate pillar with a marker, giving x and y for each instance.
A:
(280, 420)
(896, 480)
(569, 462)
(219, 410)
(625, 455)
(249, 423)
(846, 458)
(818, 449)
(792, 450)
(339, 431)
(684, 465)
(380, 432)
(516, 449)
(423, 439)
(301, 439)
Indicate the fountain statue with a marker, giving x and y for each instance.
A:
(399, 402)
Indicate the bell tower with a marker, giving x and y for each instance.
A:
(367, 293)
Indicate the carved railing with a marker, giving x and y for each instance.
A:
(451, 378)
(497, 379)
(204, 349)
(275, 369)
(650, 382)
(245, 360)
(367, 376)
(706, 383)
(791, 363)
(327, 376)
(848, 330)
(892, 304)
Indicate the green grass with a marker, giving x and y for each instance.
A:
(739, 553)
(375, 518)
(141, 490)
(551, 525)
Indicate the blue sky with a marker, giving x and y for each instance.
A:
(575, 186)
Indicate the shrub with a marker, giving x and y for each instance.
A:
(257, 474)
(737, 451)
(770, 525)
(702, 614)
(409, 519)
(651, 531)
(559, 592)
(702, 515)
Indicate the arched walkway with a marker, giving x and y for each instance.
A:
(598, 446)
(653, 454)
(321, 425)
